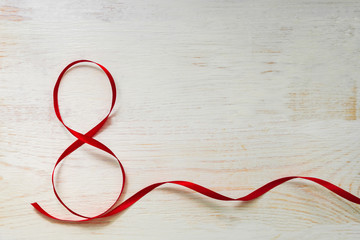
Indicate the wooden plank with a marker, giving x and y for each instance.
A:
(228, 94)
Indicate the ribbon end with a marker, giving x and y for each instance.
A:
(34, 204)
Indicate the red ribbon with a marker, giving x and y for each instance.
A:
(88, 138)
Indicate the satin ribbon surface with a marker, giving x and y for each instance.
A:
(114, 208)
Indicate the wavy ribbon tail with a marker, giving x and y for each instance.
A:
(211, 194)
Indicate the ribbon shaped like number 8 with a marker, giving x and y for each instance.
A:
(88, 139)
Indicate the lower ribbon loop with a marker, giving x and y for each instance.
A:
(88, 139)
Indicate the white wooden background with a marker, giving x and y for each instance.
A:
(228, 94)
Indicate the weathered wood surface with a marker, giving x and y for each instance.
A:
(228, 94)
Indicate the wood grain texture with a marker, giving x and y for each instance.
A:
(228, 94)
